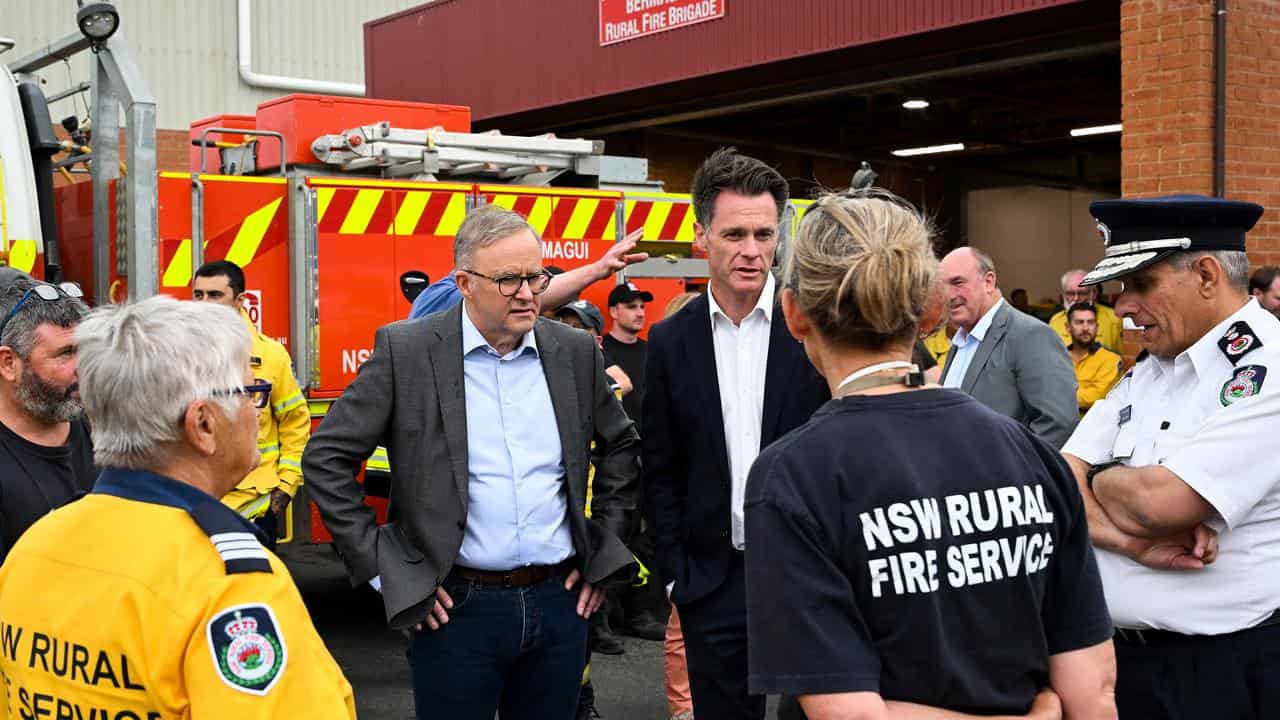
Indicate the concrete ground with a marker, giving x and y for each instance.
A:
(628, 686)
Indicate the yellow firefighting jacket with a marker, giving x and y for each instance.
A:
(284, 427)
(150, 599)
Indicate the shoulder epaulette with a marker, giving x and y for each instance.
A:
(239, 547)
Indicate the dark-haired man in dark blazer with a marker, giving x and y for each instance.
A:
(725, 379)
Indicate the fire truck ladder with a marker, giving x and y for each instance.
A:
(436, 153)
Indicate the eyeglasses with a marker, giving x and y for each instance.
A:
(43, 291)
(509, 285)
(259, 392)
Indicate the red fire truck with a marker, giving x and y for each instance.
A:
(326, 202)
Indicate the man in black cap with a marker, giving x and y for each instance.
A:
(1182, 492)
(623, 346)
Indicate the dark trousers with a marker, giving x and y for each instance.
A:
(1225, 677)
(269, 524)
(715, 642)
(516, 651)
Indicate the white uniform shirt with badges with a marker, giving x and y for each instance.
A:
(1209, 416)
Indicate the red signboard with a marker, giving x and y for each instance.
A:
(622, 20)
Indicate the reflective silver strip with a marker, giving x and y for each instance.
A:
(258, 554)
(1144, 245)
(238, 545)
(228, 536)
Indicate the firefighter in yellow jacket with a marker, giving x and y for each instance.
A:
(283, 425)
(148, 598)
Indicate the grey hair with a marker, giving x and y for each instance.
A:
(1062, 282)
(985, 263)
(143, 364)
(1235, 264)
(20, 333)
(485, 226)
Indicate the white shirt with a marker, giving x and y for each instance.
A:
(1219, 445)
(965, 346)
(741, 354)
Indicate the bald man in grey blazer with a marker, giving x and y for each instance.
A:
(1002, 357)
(488, 413)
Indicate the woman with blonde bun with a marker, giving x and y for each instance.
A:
(911, 552)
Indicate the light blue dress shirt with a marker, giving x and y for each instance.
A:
(965, 346)
(517, 509)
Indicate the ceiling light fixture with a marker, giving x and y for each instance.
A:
(1096, 130)
(929, 150)
(916, 104)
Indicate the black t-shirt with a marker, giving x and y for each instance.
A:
(35, 479)
(921, 546)
(630, 357)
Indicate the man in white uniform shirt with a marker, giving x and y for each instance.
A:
(724, 379)
(1177, 469)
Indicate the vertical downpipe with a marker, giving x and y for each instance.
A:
(1220, 99)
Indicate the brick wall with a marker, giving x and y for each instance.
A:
(1253, 119)
(1167, 90)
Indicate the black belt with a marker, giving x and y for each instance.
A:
(1131, 636)
(519, 577)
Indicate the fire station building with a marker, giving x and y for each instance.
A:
(1002, 118)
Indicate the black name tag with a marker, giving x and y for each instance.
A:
(1126, 414)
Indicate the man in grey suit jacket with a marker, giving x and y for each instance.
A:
(1004, 358)
(488, 415)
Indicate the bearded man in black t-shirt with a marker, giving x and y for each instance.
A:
(46, 457)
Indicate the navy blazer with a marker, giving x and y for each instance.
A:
(685, 466)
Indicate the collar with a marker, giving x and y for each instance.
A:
(149, 487)
(979, 331)
(1204, 353)
(764, 303)
(472, 339)
(226, 529)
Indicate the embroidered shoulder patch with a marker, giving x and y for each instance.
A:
(1247, 382)
(1239, 340)
(248, 650)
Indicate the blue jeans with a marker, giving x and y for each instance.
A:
(517, 651)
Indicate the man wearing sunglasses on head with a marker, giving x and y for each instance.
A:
(284, 424)
(46, 457)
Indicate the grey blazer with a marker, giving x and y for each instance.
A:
(1022, 370)
(408, 397)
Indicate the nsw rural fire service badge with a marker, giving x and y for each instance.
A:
(248, 650)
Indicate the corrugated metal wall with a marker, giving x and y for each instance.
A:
(508, 56)
(187, 48)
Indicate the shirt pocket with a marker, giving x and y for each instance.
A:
(1125, 443)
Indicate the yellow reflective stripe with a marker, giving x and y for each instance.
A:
(319, 408)
(581, 217)
(271, 449)
(540, 215)
(255, 508)
(251, 232)
(657, 218)
(323, 197)
(361, 212)
(291, 464)
(453, 216)
(379, 460)
(506, 202)
(409, 213)
(178, 274)
(290, 402)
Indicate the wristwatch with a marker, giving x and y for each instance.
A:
(1095, 469)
